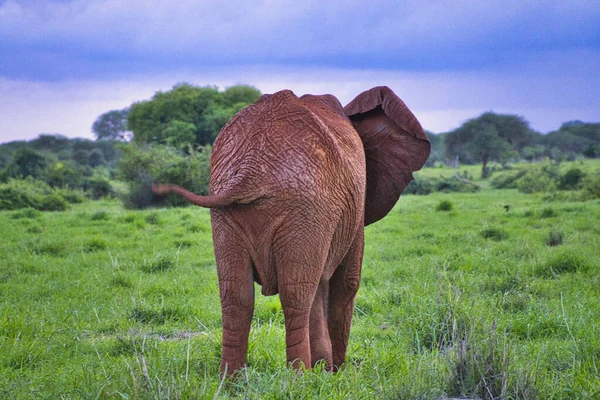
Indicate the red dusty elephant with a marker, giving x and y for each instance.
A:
(294, 181)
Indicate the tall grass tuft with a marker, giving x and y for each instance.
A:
(159, 263)
(563, 262)
(444, 205)
(548, 212)
(554, 238)
(494, 234)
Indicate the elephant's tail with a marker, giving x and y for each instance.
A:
(215, 201)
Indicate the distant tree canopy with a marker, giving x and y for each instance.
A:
(489, 137)
(437, 148)
(575, 137)
(112, 125)
(26, 162)
(187, 114)
(58, 161)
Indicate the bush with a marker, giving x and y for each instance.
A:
(98, 187)
(455, 185)
(507, 180)
(31, 193)
(63, 174)
(71, 196)
(537, 179)
(444, 205)
(53, 202)
(424, 186)
(571, 180)
(140, 167)
(591, 186)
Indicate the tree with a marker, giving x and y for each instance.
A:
(240, 94)
(26, 162)
(437, 148)
(486, 145)
(489, 137)
(199, 110)
(50, 142)
(180, 134)
(574, 137)
(112, 125)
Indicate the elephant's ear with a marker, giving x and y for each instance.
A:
(395, 146)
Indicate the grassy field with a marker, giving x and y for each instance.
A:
(487, 294)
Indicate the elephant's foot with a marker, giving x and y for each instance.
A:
(230, 368)
(298, 347)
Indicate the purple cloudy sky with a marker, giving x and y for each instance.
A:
(63, 63)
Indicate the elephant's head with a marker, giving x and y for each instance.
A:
(395, 146)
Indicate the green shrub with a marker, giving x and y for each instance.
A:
(455, 185)
(63, 174)
(537, 179)
(98, 187)
(71, 196)
(444, 205)
(53, 202)
(591, 186)
(424, 186)
(571, 180)
(507, 180)
(140, 167)
(30, 193)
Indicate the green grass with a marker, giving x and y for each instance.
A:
(102, 302)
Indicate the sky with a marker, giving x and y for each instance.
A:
(63, 63)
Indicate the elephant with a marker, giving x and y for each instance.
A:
(294, 181)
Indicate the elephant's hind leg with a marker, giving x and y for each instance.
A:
(320, 344)
(296, 301)
(343, 287)
(236, 287)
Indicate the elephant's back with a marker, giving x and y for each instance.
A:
(285, 144)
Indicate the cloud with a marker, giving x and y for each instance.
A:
(63, 63)
(99, 38)
(440, 100)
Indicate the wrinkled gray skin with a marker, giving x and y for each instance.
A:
(293, 183)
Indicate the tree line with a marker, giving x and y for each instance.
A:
(168, 137)
(503, 138)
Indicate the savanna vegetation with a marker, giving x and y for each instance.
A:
(491, 294)
(484, 284)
